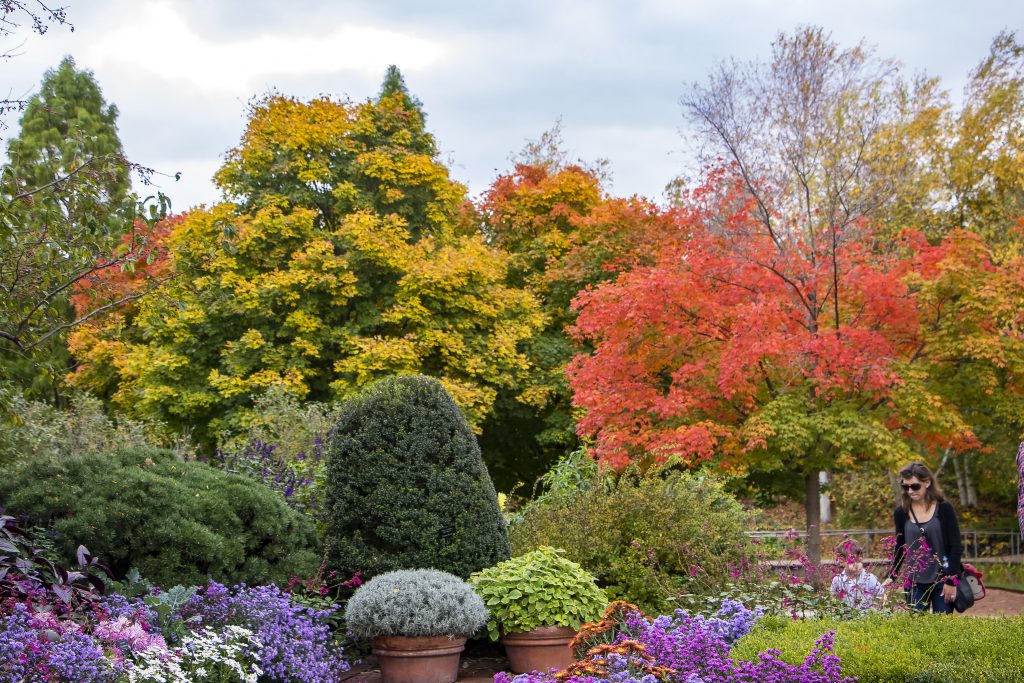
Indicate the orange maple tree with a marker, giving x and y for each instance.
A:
(113, 291)
(778, 350)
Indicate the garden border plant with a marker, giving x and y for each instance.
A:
(538, 601)
(646, 536)
(176, 521)
(418, 620)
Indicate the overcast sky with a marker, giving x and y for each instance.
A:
(491, 75)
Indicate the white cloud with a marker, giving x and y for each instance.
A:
(157, 39)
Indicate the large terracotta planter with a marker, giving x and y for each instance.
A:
(423, 659)
(543, 648)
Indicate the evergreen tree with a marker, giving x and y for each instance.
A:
(67, 128)
(394, 84)
(66, 199)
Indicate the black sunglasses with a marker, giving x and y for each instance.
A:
(911, 487)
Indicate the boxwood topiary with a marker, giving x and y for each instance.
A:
(406, 487)
(176, 521)
(415, 602)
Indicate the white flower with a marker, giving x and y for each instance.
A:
(203, 654)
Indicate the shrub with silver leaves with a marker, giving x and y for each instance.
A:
(415, 602)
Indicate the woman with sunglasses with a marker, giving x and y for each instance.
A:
(927, 541)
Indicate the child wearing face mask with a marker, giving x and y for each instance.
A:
(854, 585)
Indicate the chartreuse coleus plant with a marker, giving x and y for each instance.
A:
(540, 588)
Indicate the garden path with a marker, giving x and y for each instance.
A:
(998, 603)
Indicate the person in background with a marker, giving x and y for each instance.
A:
(927, 541)
(1020, 488)
(855, 585)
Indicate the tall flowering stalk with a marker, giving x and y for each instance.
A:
(1020, 488)
(294, 478)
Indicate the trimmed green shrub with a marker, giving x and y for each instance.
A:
(646, 538)
(904, 648)
(406, 487)
(176, 521)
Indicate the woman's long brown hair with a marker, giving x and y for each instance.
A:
(921, 472)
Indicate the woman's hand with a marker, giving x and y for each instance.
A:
(949, 593)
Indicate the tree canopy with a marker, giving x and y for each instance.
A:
(65, 201)
(342, 259)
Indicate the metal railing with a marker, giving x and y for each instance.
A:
(979, 544)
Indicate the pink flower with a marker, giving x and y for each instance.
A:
(122, 630)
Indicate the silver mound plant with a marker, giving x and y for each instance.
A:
(415, 602)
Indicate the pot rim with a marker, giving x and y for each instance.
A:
(567, 632)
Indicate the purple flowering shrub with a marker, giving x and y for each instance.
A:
(626, 647)
(242, 633)
(296, 644)
(57, 626)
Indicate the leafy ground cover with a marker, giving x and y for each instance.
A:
(904, 647)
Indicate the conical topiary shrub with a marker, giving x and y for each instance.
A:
(406, 486)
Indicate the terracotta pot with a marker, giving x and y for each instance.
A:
(543, 648)
(422, 659)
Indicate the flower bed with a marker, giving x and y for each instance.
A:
(626, 647)
(242, 634)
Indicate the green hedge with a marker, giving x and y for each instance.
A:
(904, 648)
(646, 537)
(176, 521)
(406, 487)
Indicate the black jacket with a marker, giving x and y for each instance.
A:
(953, 549)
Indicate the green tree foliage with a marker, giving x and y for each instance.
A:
(983, 155)
(176, 521)
(646, 537)
(66, 125)
(64, 201)
(345, 259)
(406, 486)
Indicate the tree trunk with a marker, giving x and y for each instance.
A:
(897, 492)
(813, 510)
(826, 504)
(961, 485)
(972, 488)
